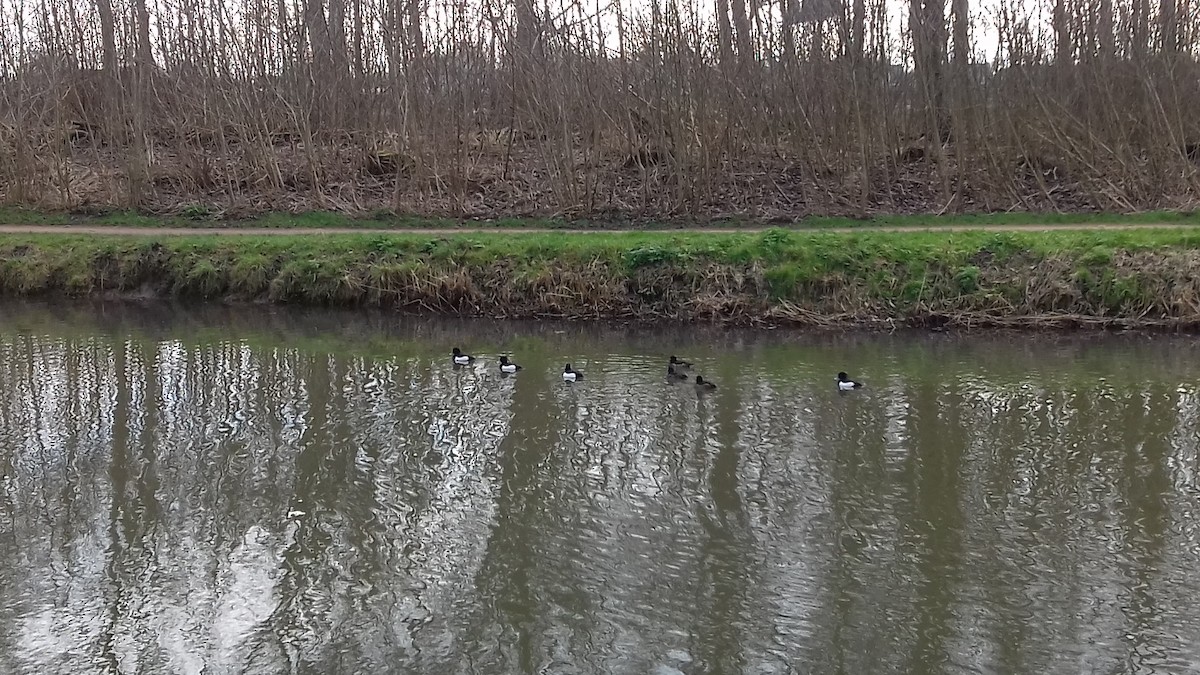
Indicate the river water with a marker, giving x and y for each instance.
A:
(219, 490)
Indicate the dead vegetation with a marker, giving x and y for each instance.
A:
(644, 111)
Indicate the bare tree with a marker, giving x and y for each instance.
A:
(772, 108)
(1168, 26)
(1062, 33)
(927, 19)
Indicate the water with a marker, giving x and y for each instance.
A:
(258, 491)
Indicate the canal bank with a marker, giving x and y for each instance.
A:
(1117, 278)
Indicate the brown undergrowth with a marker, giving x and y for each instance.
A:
(363, 176)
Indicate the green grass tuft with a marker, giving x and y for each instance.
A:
(967, 278)
(203, 279)
(628, 273)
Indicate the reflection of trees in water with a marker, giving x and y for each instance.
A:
(504, 630)
(173, 505)
(1065, 502)
(728, 566)
(55, 484)
(932, 482)
(389, 482)
(997, 536)
(262, 504)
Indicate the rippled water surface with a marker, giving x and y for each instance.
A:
(258, 491)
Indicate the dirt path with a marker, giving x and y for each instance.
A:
(121, 230)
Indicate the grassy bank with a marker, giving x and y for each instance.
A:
(1111, 277)
(383, 220)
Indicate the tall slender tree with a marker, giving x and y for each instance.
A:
(927, 21)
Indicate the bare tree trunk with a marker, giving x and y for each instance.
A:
(143, 69)
(962, 61)
(962, 37)
(285, 54)
(416, 37)
(1169, 20)
(357, 65)
(1062, 34)
(322, 66)
(389, 32)
(1107, 46)
(337, 34)
(145, 57)
(961, 101)
(392, 31)
(108, 35)
(523, 50)
(108, 95)
(527, 27)
(858, 30)
(724, 34)
(1140, 31)
(317, 27)
(928, 24)
(418, 81)
(75, 28)
(788, 31)
(745, 40)
(340, 95)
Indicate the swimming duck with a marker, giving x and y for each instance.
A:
(701, 383)
(460, 358)
(673, 374)
(506, 367)
(571, 375)
(675, 361)
(846, 384)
